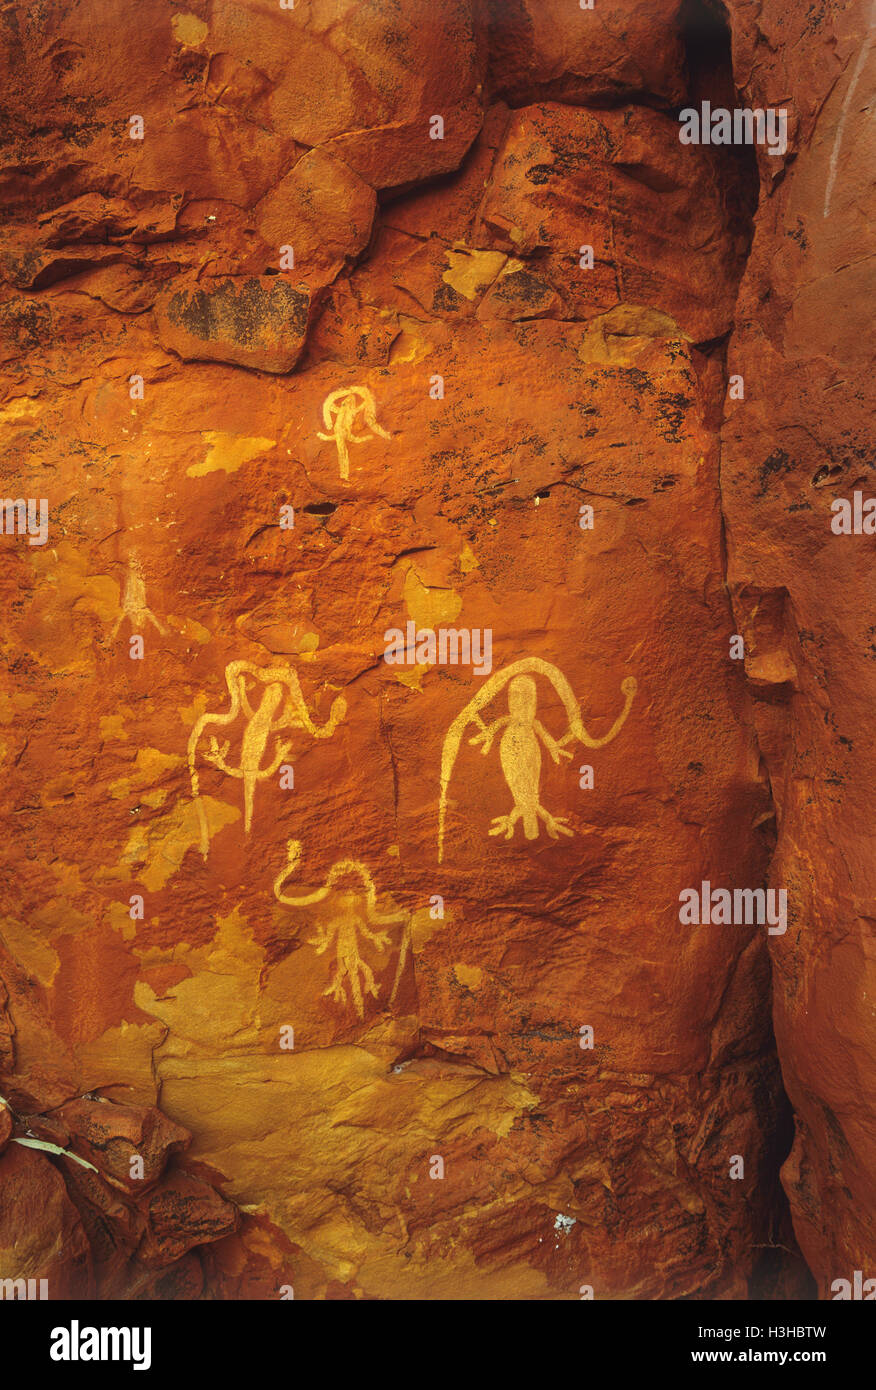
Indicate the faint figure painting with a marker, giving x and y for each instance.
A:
(348, 929)
(134, 606)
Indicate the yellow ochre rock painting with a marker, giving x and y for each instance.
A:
(281, 707)
(156, 851)
(519, 750)
(134, 606)
(339, 412)
(349, 928)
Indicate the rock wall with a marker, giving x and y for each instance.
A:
(800, 441)
(366, 977)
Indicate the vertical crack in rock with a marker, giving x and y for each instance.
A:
(710, 78)
(790, 458)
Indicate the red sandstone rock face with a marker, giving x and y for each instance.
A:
(131, 1217)
(801, 439)
(41, 1233)
(293, 995)
(5, 1125)
(547, 48)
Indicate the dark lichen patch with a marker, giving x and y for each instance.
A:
(540, 173)
(671, 410)
(81, 134)
(446, 300)
(248, 313)
(522, 289)
(778, 462)
(639, 380)
(21, 270)
(26, 325)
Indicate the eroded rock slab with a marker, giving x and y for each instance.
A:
(257, 323)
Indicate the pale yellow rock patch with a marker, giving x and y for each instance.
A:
(468, 561)
(213, 1010)
(37, 957)
(111, 726)
(121, 920)
(228, 452)
(20, 410)
(468, 975)
(321, 1115)
(430, 606)
(150, 766)
(412, 677)
(156, 852)
(409, 346)
(424, 925)
(187, 627)
(188, 29)
(190, 714)
(471, 272)
(120, 1062)
(621, 335)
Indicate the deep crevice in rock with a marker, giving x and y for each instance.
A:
(708, 53)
